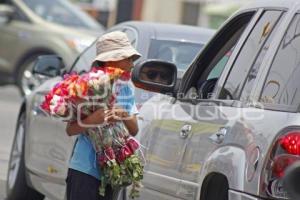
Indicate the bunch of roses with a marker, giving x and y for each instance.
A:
(77, 96)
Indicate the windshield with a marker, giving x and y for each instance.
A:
(178, 52)
(62, 12)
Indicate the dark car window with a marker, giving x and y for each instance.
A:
(235, 80)
(4, 2)
(282, 84)
(245, 96)
(180, 53)
(211, 63)
(18, 14)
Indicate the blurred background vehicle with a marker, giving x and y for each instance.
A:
(205, 13)
(29, 28)
(46, 148)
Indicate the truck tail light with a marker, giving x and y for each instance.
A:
(281, 163)
(291, 143)
(284, 153)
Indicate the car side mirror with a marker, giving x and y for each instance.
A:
(6, 13)
(48, 65)
(156, 76)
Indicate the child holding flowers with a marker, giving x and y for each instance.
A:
(113, 51)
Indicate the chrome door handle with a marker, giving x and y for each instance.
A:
(219, 136)
(185, 131)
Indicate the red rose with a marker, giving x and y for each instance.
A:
(102, 159)
(120, 157)
(109, 152)
(127, 151)
(48, 97)
(45, 106)
(124, 153)
(133, 144)
(126, 76)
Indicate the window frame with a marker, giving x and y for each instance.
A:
(244, 79)
(275, 28)
(191, 75)
(286, 23)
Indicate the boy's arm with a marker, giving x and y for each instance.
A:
(132, 125)
(74, 128)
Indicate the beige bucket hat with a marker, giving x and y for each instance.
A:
(115, 46)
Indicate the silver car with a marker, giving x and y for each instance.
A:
(41, 150)
(228, 135)
(30, 28)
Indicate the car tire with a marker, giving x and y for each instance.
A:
(16, 185)
(215, 187)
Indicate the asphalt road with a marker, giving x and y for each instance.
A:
(2, 190)
(9, 106)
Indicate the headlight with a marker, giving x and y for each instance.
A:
(78, 44)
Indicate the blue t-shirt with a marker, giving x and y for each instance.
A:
(84, 156)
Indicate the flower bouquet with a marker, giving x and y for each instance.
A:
(77, 96)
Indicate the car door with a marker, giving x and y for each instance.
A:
(45, 150)
(50, 148)
(221, 128)
(173, 159)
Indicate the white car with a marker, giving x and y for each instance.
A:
(41, 149)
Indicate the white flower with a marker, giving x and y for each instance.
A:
(98, 82)
(58, 106)
(97, 74)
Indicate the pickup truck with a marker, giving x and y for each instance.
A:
(228, 135)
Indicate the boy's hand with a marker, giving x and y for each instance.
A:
(115, 114)
(96, 117)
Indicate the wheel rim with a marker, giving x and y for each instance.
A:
(28, 80)
(16, 155)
